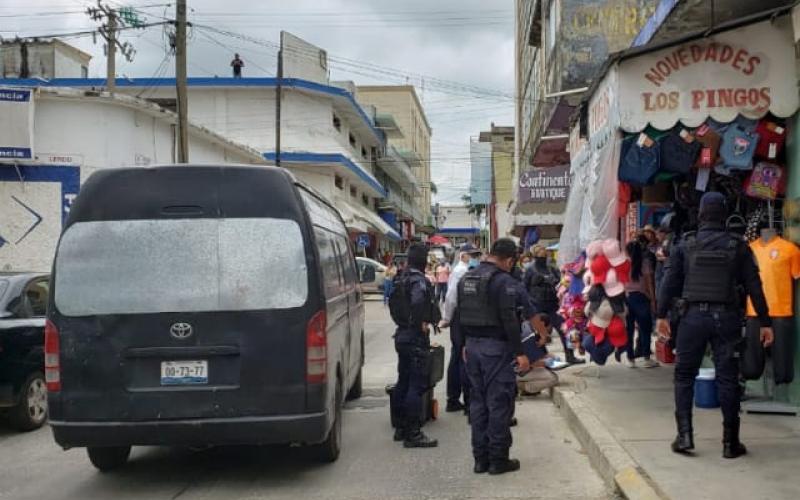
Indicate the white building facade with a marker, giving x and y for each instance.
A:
(73, 133)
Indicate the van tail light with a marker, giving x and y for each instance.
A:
(317, 349)
(52, 357)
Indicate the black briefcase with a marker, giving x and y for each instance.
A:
(430, 407)
(436, 364)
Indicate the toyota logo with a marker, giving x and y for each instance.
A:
(181, 330)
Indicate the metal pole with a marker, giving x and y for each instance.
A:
(180, 82)
(278, 94)
(111, 68)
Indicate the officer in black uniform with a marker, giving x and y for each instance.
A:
(704, 270)
(487, 299)
(414, 310)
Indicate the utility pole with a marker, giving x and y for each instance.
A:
(108, 30)
(180, 82)
(278, 93)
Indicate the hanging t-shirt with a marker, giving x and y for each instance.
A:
(778, 264)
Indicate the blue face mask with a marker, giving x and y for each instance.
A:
(473, 262)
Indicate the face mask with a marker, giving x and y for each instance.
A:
(473, 262)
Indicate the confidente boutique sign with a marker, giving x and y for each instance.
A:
(748, 71)
(545, 185)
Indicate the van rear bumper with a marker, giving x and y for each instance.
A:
(307, 428)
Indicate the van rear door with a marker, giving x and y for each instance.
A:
(198, 311)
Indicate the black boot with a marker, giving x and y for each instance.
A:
(481, 465)
(507, 465)
(569, 354)
(684, 442)
(731, 446)
(415, 438)
(400, 430)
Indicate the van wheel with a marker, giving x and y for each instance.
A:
(328, 451)
(31, 411)
(106, 458)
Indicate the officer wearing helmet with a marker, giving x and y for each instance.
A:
(413, 308)
(488, 299)
(704, 271)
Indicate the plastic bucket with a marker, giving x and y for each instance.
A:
(705, 389)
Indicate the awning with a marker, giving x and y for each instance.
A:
(749, 70)
(348, 213)
(379, 225)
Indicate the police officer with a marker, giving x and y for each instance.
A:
(413, 309)
(487, 300)
(704, 270)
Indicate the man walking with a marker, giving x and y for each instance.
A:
(487, 301)
(704, 270)
(457, 382)
(413, 309)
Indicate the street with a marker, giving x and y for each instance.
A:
(371, 465)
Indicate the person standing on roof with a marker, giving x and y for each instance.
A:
(237, 65)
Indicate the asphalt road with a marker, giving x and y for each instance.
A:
(371, 465)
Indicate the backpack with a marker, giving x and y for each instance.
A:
(400, 300)
(542, 289)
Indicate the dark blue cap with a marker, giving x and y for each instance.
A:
(713, 208)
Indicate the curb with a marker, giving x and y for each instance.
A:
(615, 465)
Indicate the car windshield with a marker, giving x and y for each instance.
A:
(154, 266)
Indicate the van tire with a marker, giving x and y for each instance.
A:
(107, 458)
(31, 411)
(328, 451)
(355, 391)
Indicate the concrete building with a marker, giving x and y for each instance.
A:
(457, 223)
(500, 216)
(413, 143)
(42, 59)
(559, 45)
(70, 134)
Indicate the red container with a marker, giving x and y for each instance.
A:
(664, 352)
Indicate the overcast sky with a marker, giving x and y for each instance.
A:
(462, 49)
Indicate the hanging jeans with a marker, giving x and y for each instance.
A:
(639, 314)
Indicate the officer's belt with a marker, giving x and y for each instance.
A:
(712, 306)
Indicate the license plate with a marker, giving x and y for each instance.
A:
(184, 372)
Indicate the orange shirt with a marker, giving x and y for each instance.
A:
(778, 264)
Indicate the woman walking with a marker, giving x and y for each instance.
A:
(640, 291)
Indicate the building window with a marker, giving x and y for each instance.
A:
(338, 181)
(84, 72)
(352, 139)
(373, 153)
(552, 25)
(337, 123)
(353, 191)
(365, 200)
(364, 153)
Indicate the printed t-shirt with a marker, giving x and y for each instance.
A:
(778, 264)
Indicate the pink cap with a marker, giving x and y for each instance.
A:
(613, 253)
(594, 249)
(599, 268)
(613, 286)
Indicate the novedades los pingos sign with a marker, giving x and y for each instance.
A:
(748, 71)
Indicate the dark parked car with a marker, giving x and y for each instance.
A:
(23, 303)
(201, 305)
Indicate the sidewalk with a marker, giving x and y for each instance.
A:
(636, 407)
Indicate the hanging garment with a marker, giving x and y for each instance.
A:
(779, 265)
(782, 351)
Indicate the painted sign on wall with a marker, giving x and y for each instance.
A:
(34, 203)
(16, 120)
(748, 71)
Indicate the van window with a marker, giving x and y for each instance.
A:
(331, 275)
(321, 214)
(186, 265)
(347, 261)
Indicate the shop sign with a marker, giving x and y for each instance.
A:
(748, 71)
(576, 142)
(16, 124)
(545, 185)
(60, 159)
(363, 240)
(603, 111)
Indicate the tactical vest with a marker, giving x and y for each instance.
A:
(400, 301)
(542, 289)
(474, 306)
(710, 272)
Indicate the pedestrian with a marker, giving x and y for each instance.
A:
(413, 310)
(487, 300)
(388, 281)
(640, 298)
(541, 281)
(457, 381)
(442, 277)
(705, 270)
(237, 64)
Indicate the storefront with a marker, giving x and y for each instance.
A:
(663, 125)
